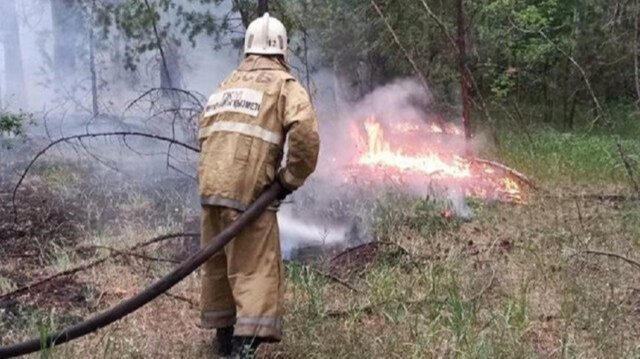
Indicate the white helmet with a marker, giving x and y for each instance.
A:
(266, 36)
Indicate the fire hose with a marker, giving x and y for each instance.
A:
(162, 285)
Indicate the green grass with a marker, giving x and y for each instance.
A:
(398, 317)
(570, 159)
(394, 209)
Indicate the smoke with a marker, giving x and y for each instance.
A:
(329, 211)
(406, 111)
(52, 40)
(335, 206)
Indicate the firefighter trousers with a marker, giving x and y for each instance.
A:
(242, 285)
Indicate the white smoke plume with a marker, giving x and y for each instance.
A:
(318, 214)
(400, 103)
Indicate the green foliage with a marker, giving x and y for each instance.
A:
(555, 54)
(551, 57)
(552, 157)
(138, 21)
(13, 123)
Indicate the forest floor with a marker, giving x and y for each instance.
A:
(517, 281)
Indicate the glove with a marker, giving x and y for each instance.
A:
(285, 191)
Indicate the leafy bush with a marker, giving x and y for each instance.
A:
(13, 123)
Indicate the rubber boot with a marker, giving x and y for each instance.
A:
(224, 339)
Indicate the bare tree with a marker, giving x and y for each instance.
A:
(92, 63)
(249, 10)
(263, 7)
(635, 51)
(14, 72)
(66, 23)
(170, 74)
(462, 63)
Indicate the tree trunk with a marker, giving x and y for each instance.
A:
(566, 94)
(263, 6)
(170, 73)
(92, 63)
(65, 17)
(572, 112)
(249, 11)
(635, 53)
(14, 73)
(462, 60)
(168, 61)
(547, 109)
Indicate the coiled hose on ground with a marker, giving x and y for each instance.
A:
(132, 304)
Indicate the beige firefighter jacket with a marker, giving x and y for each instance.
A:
(242, 133)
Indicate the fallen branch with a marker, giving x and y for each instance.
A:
(95, 263)
(131, 304)
(180, 298)
(396, 245)
(124, 134)
(371, 244)
(355, 248)
(370, 309)
(594, 196)
(334, 279)
(132, 254)
(415, 261)
(611, 255)
(524, 179)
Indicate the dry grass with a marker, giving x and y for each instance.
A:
(509, 284)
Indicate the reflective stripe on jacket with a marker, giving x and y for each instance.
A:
(242, 132)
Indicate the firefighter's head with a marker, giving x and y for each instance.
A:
(266, 36)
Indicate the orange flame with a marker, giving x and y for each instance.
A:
(431, 163)
(381, 154)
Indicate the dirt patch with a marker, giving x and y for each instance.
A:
(357, 260)
(63, 297)
(43, 222)
(63, 294)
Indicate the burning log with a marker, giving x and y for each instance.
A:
(524, 179)
(399, 151)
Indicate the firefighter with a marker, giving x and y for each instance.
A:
(242, 134)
